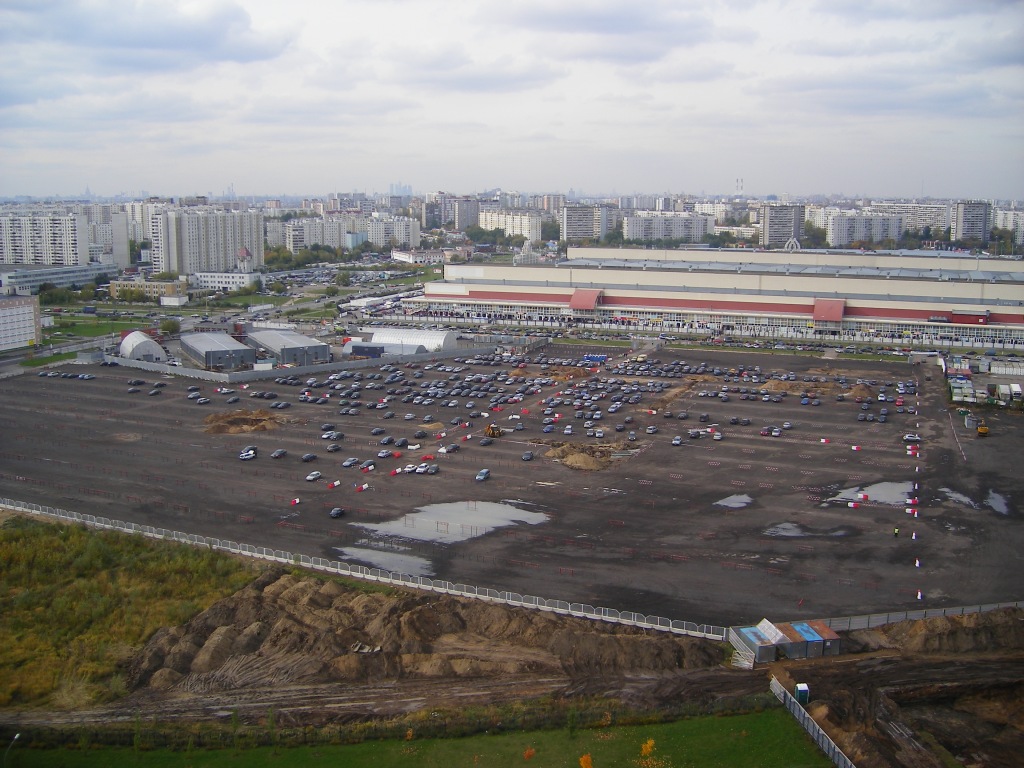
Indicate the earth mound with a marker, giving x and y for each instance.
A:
(242, 421)
(287, 630)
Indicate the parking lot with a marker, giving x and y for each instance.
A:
(797, 522)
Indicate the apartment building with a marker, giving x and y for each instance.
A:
(971, 220)
(52, 239)
(654, 225)
(780, 224)
(525, 223)
(20, 322)
(587, 222)
(192, 240)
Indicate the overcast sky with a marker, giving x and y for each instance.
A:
(178, 97)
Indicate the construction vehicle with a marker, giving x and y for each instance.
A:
(982, 428)
(493, 430)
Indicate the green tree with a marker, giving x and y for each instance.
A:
(165, 276)
(550, 230)
(814, 237)
(171, 326)
(88, 292)
(343, 279)
(331, 290)
(277, 287)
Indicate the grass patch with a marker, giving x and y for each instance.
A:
(77, 603)
(101, 327)
(760, 740)
(35, 362)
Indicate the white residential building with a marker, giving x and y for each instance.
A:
(1010, 219)
(916, 216)
(223, 281)
(525, 223)
(190, 240)
(382, 230)
(50, 239)
(846, 227)
(652, 225)
(20, 324)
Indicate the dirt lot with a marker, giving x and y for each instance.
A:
(718, 532)
(321, 653)
(722, 532)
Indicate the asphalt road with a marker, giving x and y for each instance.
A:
(656, 532)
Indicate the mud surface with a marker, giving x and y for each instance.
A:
(320, 653)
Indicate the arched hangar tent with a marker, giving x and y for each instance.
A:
(139, 346)
(431, 341)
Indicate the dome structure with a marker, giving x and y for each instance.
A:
(140, 346)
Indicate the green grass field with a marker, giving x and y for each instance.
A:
(76, 603)
(766, 739)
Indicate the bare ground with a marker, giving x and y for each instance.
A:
(321, 652)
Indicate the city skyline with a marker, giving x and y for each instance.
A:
(880, 99)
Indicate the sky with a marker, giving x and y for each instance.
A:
(882, 98)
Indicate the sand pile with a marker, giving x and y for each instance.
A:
(241, 421)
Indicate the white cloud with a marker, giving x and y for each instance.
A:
(674, 95)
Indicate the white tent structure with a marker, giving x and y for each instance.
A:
(411, 338)
(140, 346)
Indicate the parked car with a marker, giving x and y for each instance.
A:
(528, 456)
(337, 512)
(280, 453)
(483, 474)
(248, 453)
(308, 457)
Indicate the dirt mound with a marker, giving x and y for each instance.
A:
(1000, 630)
(861, 390)
(285, 630)
(241, 421)
(584, 456)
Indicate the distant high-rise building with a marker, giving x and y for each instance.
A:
(54, 240)
(525, 223)
(971, 220)
(192, 240)
(656, 225)
(587, 222)
(780, 224)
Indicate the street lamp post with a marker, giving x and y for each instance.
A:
(16, 737)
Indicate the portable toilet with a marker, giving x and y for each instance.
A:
(803, 693)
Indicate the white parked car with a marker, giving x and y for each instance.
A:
(313, 476)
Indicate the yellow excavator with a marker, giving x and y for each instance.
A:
(982, 428)
(493, 430)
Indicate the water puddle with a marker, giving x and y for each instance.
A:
(796, 531)
(997, 502)
(387, 560)
(452, 522)
(736, 501)
(959, 498)
(893, 493)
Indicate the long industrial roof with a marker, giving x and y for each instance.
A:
(274, 339)
(212, 342)
(908, 273)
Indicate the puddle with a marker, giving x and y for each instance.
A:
(893, 493)
(997, 502)
(453, 522)
(736, 501)
(797, 531)
(959, 498)
(386, 560)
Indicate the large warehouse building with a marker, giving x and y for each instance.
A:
(217, 351)
(290, 348)
(916, 293)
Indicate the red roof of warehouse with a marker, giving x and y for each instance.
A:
(829, 310)
(584, 298)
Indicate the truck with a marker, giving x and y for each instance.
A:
(89, 310)
(594, 358)
(1015, 392)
